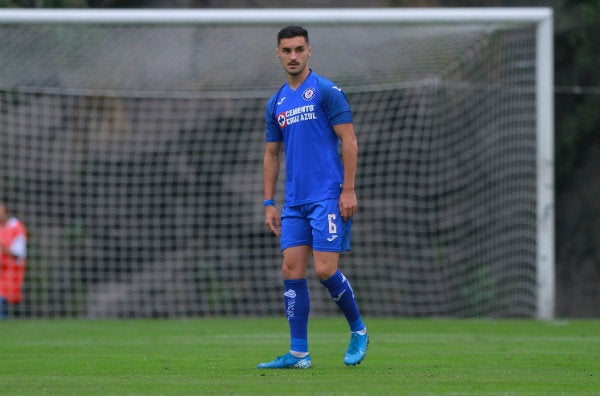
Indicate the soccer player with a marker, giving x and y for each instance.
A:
(13, 253)
(309, 116)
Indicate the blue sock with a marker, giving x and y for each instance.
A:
(341, 292)
(297, 309)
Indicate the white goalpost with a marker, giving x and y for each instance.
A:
(132, 143)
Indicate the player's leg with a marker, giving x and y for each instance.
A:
(331, 235)
(295, 242)
(341, 292)
(339, 288)
(296, 297)
(297, 308)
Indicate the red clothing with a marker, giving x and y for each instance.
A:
(12, 269)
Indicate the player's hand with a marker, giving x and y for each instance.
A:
(272, 220)
(348, 204)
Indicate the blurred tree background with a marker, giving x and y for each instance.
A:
(577, 122)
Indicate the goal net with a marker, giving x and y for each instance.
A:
(132, 142)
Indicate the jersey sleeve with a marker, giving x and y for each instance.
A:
(335, 103)
(19, 247)
(18, 238)
(273, 132)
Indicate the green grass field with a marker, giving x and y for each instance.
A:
(219, 356)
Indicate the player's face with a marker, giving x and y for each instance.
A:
(293, 54)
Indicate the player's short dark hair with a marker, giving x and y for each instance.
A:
(290, 32)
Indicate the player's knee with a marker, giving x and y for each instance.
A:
(293, 270)
(326, 264)
(325, 272)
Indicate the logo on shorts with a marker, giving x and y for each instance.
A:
(332, 238)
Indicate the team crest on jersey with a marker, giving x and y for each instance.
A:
(308, 94)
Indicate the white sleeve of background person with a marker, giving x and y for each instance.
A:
(19, 247)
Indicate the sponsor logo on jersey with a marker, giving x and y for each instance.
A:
(297, 114)
(281, 120)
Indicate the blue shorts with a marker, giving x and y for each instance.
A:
(318, 224)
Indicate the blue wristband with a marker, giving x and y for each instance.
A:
(269, 202)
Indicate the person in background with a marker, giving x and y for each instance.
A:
(13, 257)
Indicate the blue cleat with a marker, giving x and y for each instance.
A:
(287, 361)
(357, 349)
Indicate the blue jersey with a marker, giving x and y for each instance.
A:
(303, 120)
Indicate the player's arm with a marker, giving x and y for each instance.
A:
(271, 164)
(348, 202)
